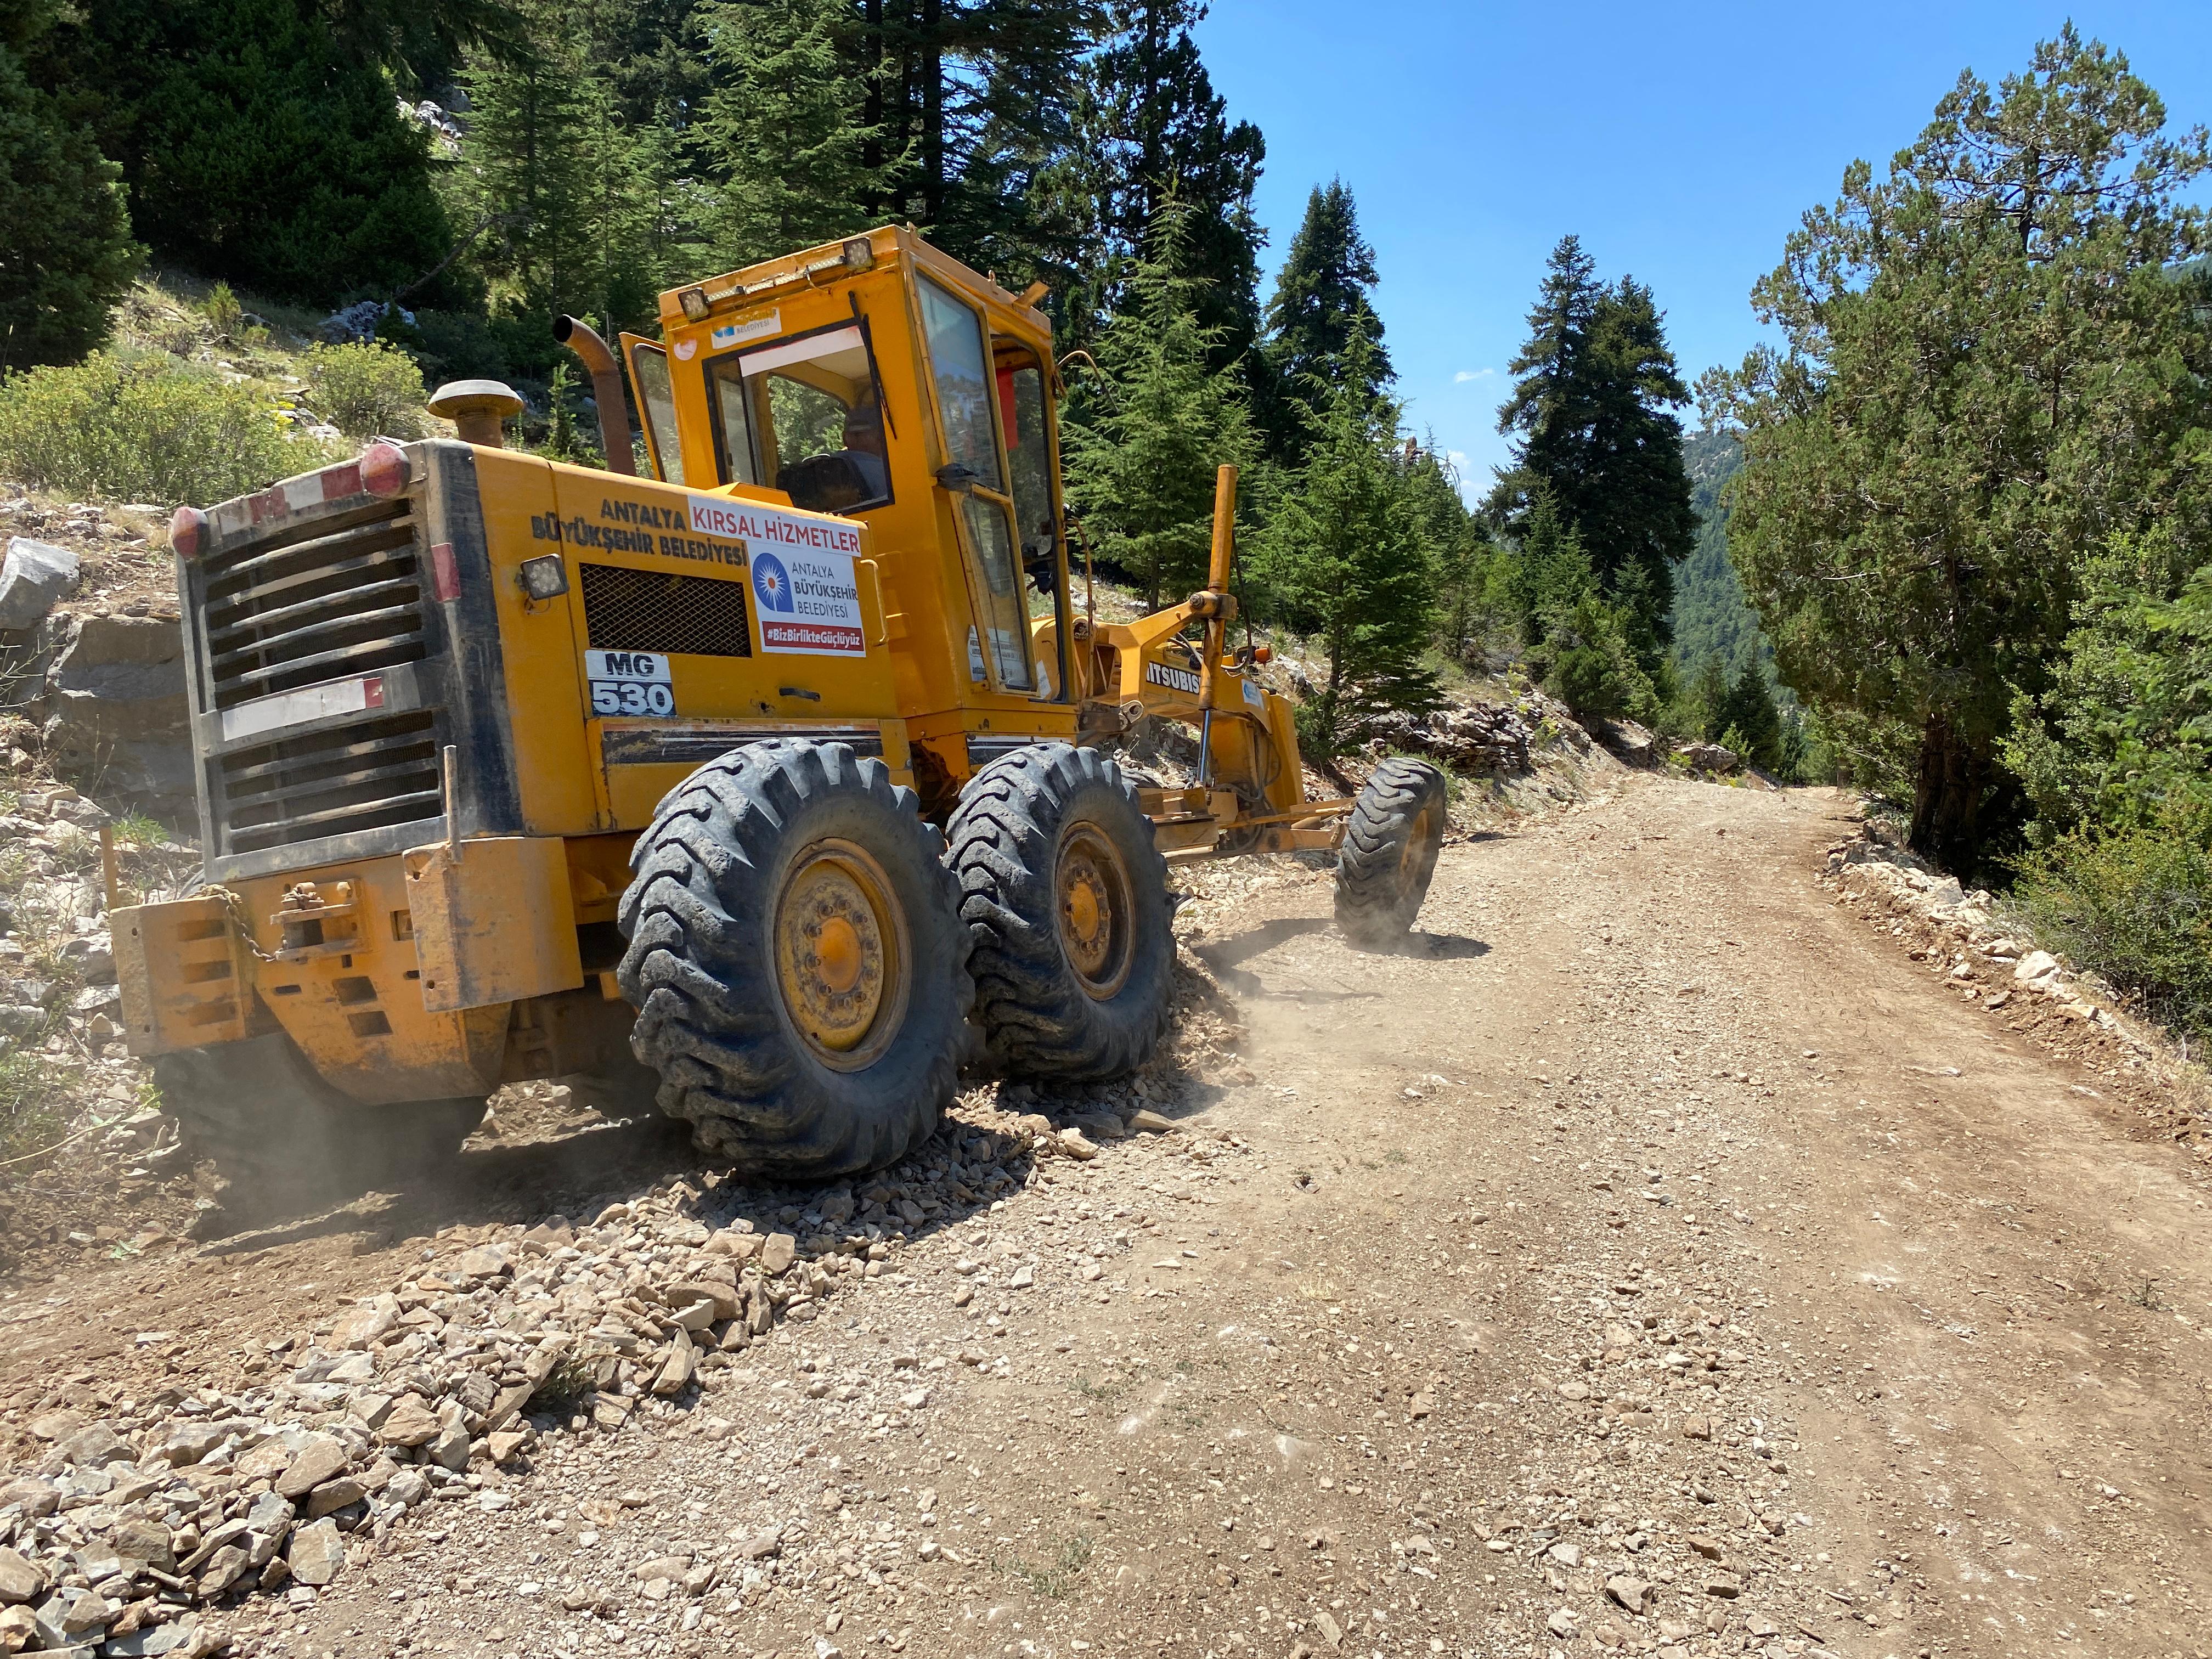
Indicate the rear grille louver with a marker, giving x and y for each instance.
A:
(340, 596)
(368, 775)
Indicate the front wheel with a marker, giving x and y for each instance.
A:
(1066, 893)
(797, 961)
(1389, 852)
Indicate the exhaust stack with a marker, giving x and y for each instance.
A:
(606, 390)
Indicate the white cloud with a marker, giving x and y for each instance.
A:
(1467, 375)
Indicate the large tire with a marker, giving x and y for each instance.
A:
(1389, 852)
(797, 962)
(283, 1140)
(1067, 894)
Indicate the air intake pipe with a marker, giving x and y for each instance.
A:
(606, 390)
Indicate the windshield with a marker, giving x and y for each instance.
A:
(802, 416)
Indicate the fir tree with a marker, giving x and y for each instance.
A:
(527, 166)
(1320, 306)
(1750, 720)
(783, 129)
(1142, 453)
(258, 147)
(1343, 559)
(1705, 699)
(1457, 550)
(1161, 131)
(1592, 409)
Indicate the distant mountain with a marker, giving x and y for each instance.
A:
(1709, 612)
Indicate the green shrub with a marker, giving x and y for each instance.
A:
(2135, 907)
(150, 431)
(30, 1107)
(367, 390)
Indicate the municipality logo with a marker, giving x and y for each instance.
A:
(772, 582)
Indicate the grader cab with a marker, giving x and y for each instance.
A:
(749, 785)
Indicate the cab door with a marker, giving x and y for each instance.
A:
(975, 472)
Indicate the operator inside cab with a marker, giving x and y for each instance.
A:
(864, 449)
(855, 476)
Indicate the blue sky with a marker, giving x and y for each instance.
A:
(1680, 142)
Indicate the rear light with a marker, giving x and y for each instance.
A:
(1263, 654)
(187, 531)
(384, 469)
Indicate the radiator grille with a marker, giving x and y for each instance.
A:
(367, 776)
(626, 610)
(306, 604)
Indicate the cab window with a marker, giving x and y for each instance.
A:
(802, 416)
(960, 373)
(648, 372)
(1029, 458)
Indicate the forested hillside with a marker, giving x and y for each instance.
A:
(1712, 617)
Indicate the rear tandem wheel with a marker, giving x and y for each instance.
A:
(1066, 892)
(797, 961)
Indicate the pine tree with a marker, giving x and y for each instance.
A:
(1991, 371)
(1321, 304)
(65, 248)
(1343, 559)
(1597, 382)
(1142, 452)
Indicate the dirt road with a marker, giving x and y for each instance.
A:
(1653, 1257)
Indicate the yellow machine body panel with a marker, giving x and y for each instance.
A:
(418, 841)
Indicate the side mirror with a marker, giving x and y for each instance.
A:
(959, 479)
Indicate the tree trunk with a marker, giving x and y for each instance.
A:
(933, 112)
(1955, 773)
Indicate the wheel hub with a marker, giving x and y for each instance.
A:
(839, 962)
(1094, 909)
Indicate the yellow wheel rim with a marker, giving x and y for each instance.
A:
(841, 955)
(1096, 926)
(1409, 856)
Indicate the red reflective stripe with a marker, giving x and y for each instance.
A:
(372, 692)
(341, 481)
(270, 504)
(445, 576)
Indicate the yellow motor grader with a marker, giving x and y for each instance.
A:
(750, 784)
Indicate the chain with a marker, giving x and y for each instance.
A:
(236, 908)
